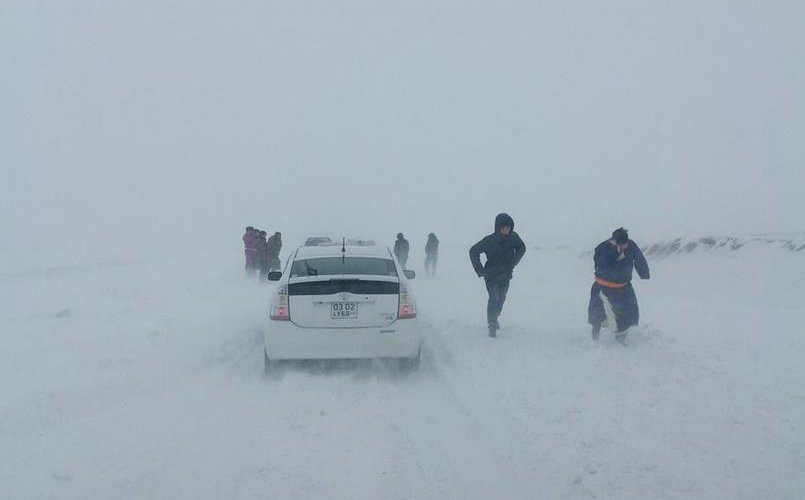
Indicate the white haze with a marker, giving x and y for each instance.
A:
(138, 138)
(134, 129)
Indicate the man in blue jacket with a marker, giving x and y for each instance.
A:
(503, 250)
(612, 290)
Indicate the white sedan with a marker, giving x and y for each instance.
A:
(342, 302)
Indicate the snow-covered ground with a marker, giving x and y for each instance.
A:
(144, 380)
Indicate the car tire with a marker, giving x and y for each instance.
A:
(408, 365)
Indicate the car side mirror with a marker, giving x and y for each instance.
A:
(409, 274)
(274, 275)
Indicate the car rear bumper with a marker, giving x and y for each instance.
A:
(284, 340)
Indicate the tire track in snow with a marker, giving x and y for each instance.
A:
(453, 445)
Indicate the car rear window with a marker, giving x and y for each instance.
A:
(337, 285)
(324, 266)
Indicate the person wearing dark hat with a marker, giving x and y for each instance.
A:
(503, 250)
(612, 294)
(401, 248)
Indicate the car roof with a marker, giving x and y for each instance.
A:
(335, 251)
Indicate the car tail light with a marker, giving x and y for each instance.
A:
(407, 308)
(279, 306)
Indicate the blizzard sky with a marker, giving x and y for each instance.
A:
(135, 127)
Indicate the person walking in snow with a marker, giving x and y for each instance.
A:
(274, 246)
(612, 294)
(250, 249)
(503, 250)
(401, 249)
(431, 254)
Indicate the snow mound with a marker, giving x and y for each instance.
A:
(726, 244)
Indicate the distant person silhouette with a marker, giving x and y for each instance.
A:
(401, 249)
(250, 249)
(274, 246)
(262, 254)
(431, 254)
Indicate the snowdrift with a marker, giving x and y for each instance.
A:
(144, 380)
(724, 244)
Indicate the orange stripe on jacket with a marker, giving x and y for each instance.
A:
(609, 284)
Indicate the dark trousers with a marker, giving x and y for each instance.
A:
(497, 296)
(623, 302)
(263, 266)
(430, 265)
(273, 264)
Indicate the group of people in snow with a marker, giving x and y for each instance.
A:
(401, 248)
(262, 254)
(612, 297)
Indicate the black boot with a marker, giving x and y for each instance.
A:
(493, 329)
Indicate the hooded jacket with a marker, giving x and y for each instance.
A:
(503, 252)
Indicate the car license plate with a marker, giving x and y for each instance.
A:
(342, 310)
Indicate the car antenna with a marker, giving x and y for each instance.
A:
(343, 249)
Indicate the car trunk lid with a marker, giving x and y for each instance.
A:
(343, 301)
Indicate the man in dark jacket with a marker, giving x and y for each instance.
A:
(503, 250)
(431, 254)
(273, 249)
(401, 249)
(612, 290)
(250, 249)
(261, 250)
